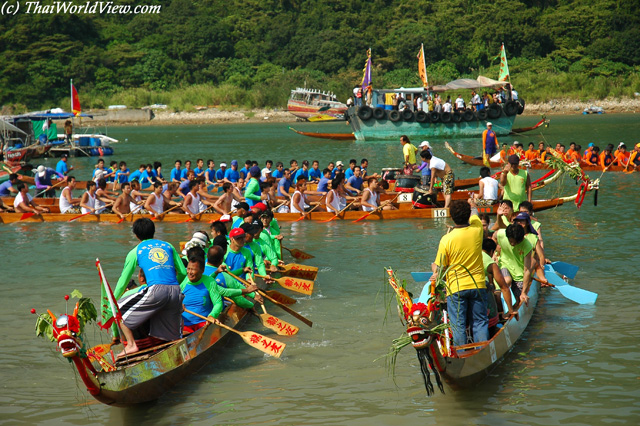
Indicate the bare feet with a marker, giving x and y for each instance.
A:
(129, 349)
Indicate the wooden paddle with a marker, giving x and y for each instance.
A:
(27, 216)
(281, 305)
(197, 218)
(161, 215)
(271, 322)
(88, 213)
(269, 346)
(298, 285)
(281, 298)
(381, 206)
(299, 271)
(298, 254)
(339, 213)
(304, 215)
(129, 214)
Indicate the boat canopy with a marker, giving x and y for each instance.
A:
(43, 115)
(8, 127)
(462, 83)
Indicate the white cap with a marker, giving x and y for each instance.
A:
(41, 170)
(619, 145)
(489, 123)
(223, 164)
(425, 143)
(516, 142)
(339, 163)
(266, 171)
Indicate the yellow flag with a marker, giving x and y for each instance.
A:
(422, 67)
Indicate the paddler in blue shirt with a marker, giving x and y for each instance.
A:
(160, 302)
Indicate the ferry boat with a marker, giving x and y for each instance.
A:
(315, 105)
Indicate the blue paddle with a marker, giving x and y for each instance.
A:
(566, 269)
(578, 295)
(421, 277)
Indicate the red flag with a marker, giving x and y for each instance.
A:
(75, 101)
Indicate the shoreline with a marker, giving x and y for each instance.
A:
(221, 116)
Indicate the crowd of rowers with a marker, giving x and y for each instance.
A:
(485, 261)
(199, 279)
(202, 189)
(592, 156)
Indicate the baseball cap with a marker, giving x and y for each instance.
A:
(620, 144)
(525, 216)
(236, 232)
(514, 159)
(260, 206)
(515, 142)
(489, 123)
(425, 143)
(248, 228)
(225, 218)
(590, 145)
(199, 239)
(64, 156)
(638, 145)
(254, 171)
(234, 162)
(223, 164)
(41, 170)
(339, 163)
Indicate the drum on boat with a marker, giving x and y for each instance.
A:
(390, 174)
(422, 199)
(406, 183)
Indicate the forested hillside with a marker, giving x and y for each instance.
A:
(251, 53)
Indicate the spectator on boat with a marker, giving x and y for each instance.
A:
(369, 94)
(487, 194)
(447, 105)
(23, 202)
(359, 96)
(66, 203)
(160, 302)
(46, 125)
(430, 103)
(460, 251)
(44, 187)
(350, 102)
(489, 143)
(460, 105)
(408, 154)
(493, 274)
(475, 100)
(7, 188)
(402, 104)
(440, 170)
(515, 260)
(62, 167)
(514, 94)
(515, 182)
(68, 131)
(437, 103)
(419, 103)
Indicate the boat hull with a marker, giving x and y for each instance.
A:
(386, 129)
(302, 110)
(471, 367)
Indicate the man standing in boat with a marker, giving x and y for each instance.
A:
(408, 154)
(489, 144)
(516, 182)
(460, 251)
(160, 302)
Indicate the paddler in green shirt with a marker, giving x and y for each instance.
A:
(516, 182)
(492, 273)
(238, 257)
(252, 192)
(515, 260)
(256, 252)
(270, 234)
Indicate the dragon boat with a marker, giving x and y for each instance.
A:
(145, 375)
(477, 161)
(427, 330)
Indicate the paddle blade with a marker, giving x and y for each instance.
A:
(269, 346)
(283, 328)
(361, 218)
(281, 298)
(421, 277)
(566, 269)
(295, 271)
(296, 284)
(26, 216)
(328, 220)
(300, 218)
(578, 295)
(299, 254)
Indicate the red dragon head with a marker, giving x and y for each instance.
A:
(66, 330)
(420, 320)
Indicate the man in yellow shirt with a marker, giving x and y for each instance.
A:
(460, 251)
(408, 154)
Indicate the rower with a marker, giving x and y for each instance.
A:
(238, 258)
(622, 156)
(504, 215)
(302, 173)
(315, 174)
(122, 205)
(527, 207)
(515, 181)
(634, 158)
(219, 235)
(184, 188)
(593, 158)
(370, 199)
(103, 197)
(298, 200)
(122, 175)
(155, 201)
(515, 260)
(250, 230)
(336, 199)
(199, 170)
(7, 188)
(191, 204)
(606, 158)
(66, 197)
(242, 209)
(43, 181)
(460, 254)
(160, 302)
(217, 270)
(252, 192)
(88, 200)
(232, 175)
(487, 194)
(354, 183)
(223, 205)
(176, 172)
(538, 259)
(492, 273)
(323, 184)
(441, 170)
(587, 152)
(210, 175)
(532, 155)
(23, 203)
(271, 234)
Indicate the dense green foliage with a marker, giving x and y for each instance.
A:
(251, 53)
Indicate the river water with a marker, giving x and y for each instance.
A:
(575, 364)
